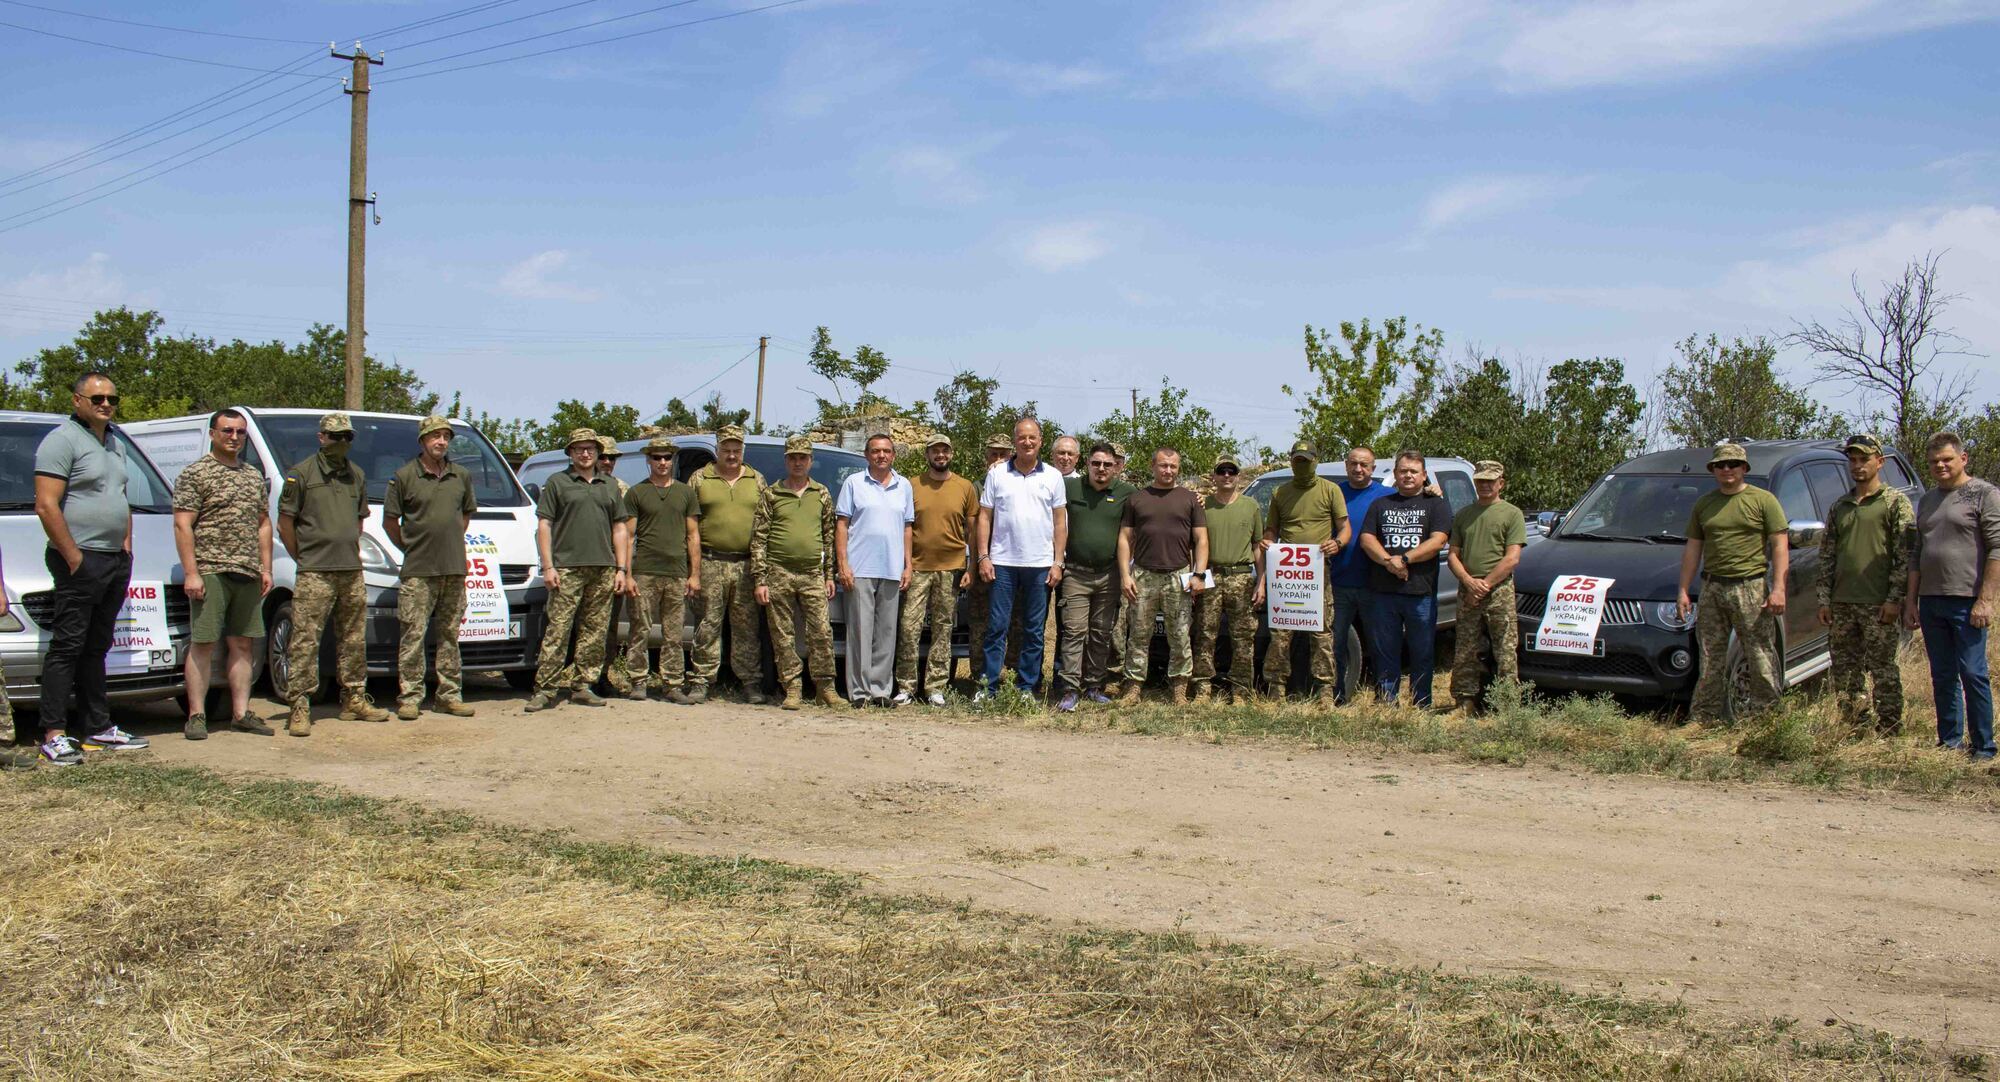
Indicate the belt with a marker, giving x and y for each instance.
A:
(1233, 569)
(1079, 565)
(725, 557)
(1727, 581)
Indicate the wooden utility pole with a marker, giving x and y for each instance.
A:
(359, 202)
(757, 418)
(1135, 419)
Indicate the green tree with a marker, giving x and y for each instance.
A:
(620, 422)
(1166, 420)
(1981, 433)
(677, 417)
(864, 369)
(1718, 392)
(968, 409)
(1366, 382)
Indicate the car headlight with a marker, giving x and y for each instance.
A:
(376, 558)
(1667, 614)
(10, 623)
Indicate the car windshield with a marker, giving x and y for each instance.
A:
(1639, 507)
(829, 468)
(383, 444)
(144, 489)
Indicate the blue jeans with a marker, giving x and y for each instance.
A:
(1396, 622)
(1348, 602)
(1027, 587)
(1960, 685)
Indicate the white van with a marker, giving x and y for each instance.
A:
(504, 526)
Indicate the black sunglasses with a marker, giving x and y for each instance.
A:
(102, 399)
(340, 437)
(1228, 470)
(659, 458)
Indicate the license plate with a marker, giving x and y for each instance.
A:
(513, 629)
(1528, 644)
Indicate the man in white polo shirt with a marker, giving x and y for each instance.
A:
(873, 527)
(1023, 524)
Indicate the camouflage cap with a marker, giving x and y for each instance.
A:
(729, 432)
(1118, 452)
(607, 447)
(336, 422)
(799, 445)
(1305, 449)
(1000, 441)
(580, 435)
(1862, 442)
(1227, 459)
(1728, 452)
(433, 423)
(938, 439)
(1487, 469)
(661, 445)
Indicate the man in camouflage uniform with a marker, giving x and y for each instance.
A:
(426, 511)
(728, 491)
(1163, 543)
(791, 560)
(1121, 631)
(320, 511)
(947, 509)
(666, 572)
(1308, 509)
(584, 535)
(1486, 543)
(1727, 537)
(222, 531)
(616, 675)
(1864, 562)
(1235, 522)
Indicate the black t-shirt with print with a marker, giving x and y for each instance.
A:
(1401, 523)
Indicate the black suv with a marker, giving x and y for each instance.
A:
(1630, 527)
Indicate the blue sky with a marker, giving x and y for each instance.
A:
(1076, 197)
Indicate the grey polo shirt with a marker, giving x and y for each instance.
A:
(94, 503)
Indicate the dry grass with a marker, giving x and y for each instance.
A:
(164, 922)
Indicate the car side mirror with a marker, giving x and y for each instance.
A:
(1806, 531)
(1549, 520)
(534, 490)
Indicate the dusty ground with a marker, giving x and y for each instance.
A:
(1875, 910)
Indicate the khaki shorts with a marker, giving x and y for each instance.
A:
(234, 608)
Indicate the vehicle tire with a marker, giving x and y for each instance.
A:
(521, 679)
(277, 645)
(1735, 707)
(1357, 665)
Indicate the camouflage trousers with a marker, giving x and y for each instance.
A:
(930, 604)
(1121, 633)
(1863, 647)
(727, 591)
(1278, 655)
(1227, 604)
(1160, 595)
(1492, 623)
(433, 604)
(662, 600)
(798, 606)
(1738, 607)
(317, 596)
(581, 601)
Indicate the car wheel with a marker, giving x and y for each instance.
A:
(521, 679)
(1735, 704)
(277, 651)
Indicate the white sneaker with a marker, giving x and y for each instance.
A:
(936, 698)
(117, 739)
(902, 699)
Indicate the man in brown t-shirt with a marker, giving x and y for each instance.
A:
(947, 506)
(1162, 558)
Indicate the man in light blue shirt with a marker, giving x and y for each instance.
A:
(873, 531)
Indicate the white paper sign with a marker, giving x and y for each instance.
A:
(1575, 608)
(1295, 587)
(485, 617)
(139, 638)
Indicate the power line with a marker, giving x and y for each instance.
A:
(436, 19)
(154, 26)
(704, 383)
(546, 34)
(164, 56)
(489, 26)
(600, 41)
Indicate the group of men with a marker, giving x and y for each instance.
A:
(1114, 557)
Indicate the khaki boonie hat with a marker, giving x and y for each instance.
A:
(1305, 449)
(433, 423)
(607, 447)
(580, 435)
(1728, 452)
(1227, 459)
(729, 432)
(1487, 469)
(799, 445)
(660, 445)
(1864, 443)
(336, 422)
(999, 441)
(1118, 451)
(937, 439)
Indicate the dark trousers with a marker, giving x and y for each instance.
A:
(1025, 588)
(1961, 687)
(86, 612)
(1347, 604)
(1396, 622)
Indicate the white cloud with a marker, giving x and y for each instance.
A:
(937, 173)
(1322, 49)
(1059, 246)
(835, 71)
(530, 279)
(1037, 79)
(65, 298)
(1481, 197)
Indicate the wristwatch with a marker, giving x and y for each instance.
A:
(985, 558)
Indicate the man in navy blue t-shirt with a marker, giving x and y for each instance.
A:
(1348, 571)
(1403, 535)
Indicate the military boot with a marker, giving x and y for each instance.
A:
(1177, 692)
(540, 700)
(1129, 696)
(697, 693)
(638, 692)
(358, 708)
(754, 695)
(828, 698)
(407, 711)
(453, 707)
(301, 723)
(791, 700)
(1204, 694)
(584, 697)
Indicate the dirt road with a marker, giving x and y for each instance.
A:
(1878, 910)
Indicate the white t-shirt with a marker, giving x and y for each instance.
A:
(1024, 519)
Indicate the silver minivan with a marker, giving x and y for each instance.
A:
(130, 677)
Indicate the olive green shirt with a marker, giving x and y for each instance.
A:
(581, 513)
(1481, 533)
(1310, 514)
(660, 515)
(792, 530)
(727, 510)
(327, 503)
(1093, 523)
(1233, 530)
(433, 509)
(1734, 530)
(1864, 555)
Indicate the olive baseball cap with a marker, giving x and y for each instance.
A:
(433, 423)
(1728, 452)
(938, 439)
(1862, 442)
(729, 432)
(580, 435)
(336, 422)
(799, 445)
(1226, 459)
(999, 441)
(1487, 469)
(1305, 449)
(660, 445)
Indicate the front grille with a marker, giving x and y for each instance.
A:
(1628, 665)
(1618, 612)
(474, 655)
(42, 610)
(514, 574)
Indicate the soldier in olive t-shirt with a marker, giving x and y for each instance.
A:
(425, 510)
(320, 509)
(664, 573)
(1727, 533)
